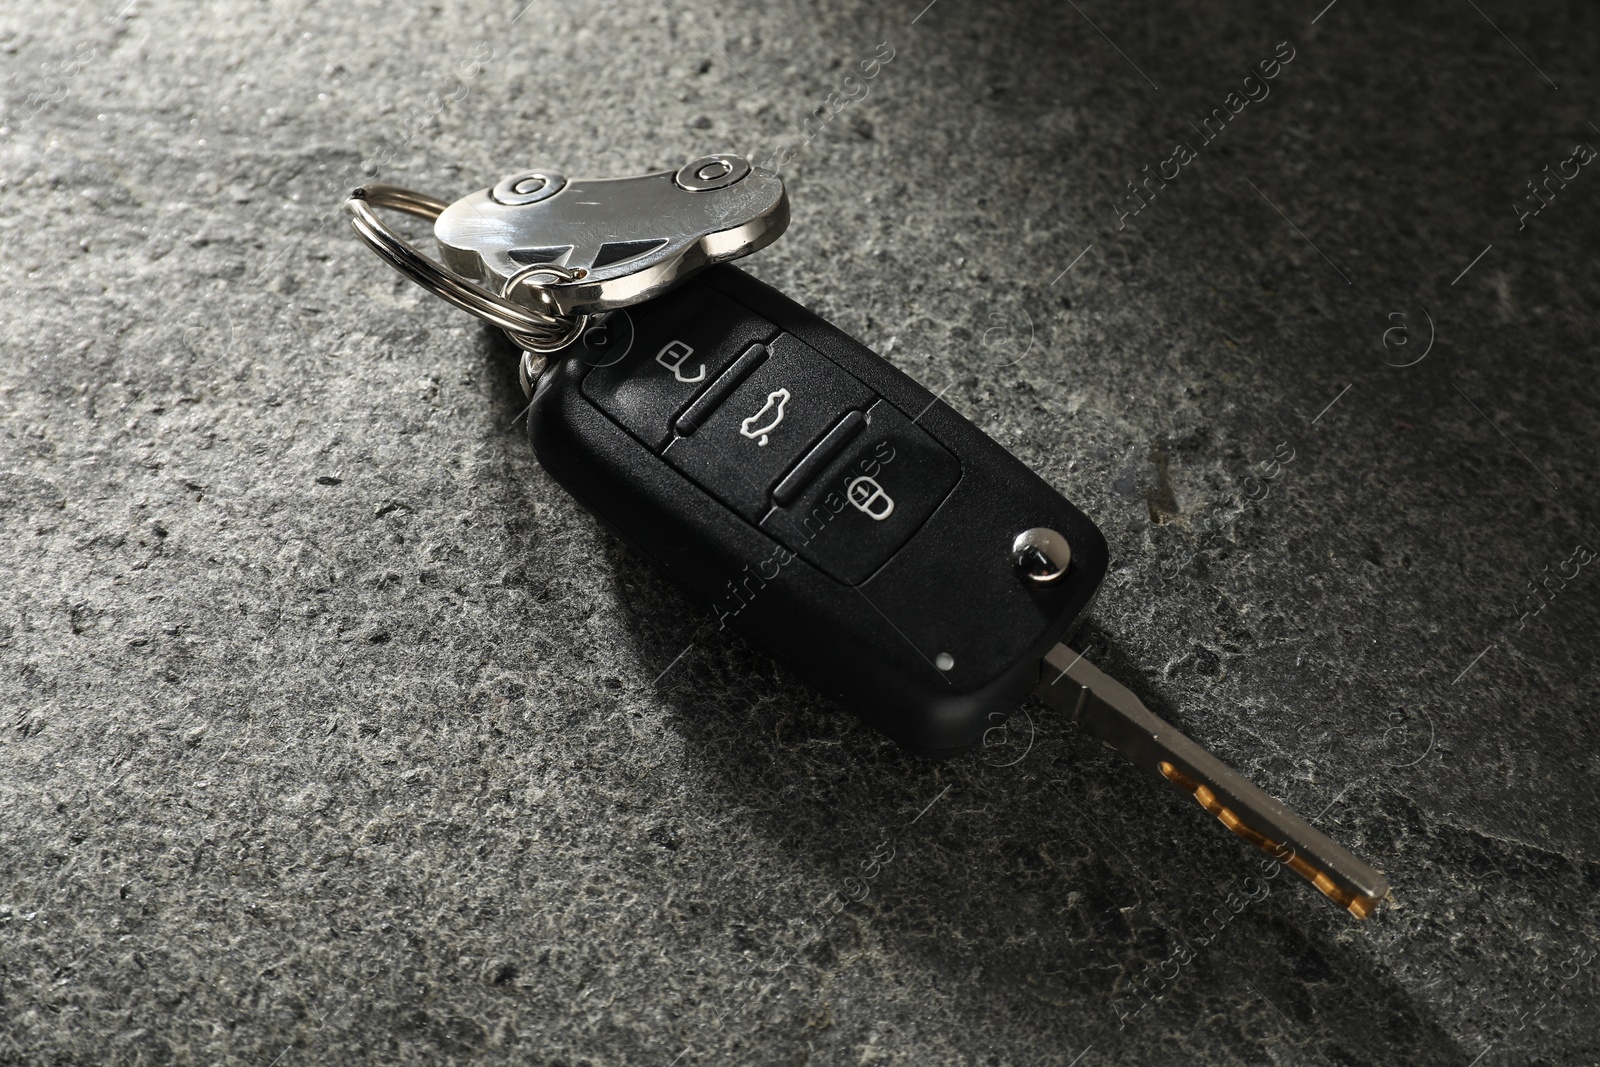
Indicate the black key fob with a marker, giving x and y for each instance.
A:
(830, 509)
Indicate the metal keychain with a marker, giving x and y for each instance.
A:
(538, 254)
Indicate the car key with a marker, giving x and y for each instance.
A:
(830, 509)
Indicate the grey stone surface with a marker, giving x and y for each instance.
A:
(333, 731)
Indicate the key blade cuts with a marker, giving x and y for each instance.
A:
(1106, 709)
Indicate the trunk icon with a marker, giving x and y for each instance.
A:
(775, 401)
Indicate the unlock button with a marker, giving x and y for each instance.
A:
(680, 346)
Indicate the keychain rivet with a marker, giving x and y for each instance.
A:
(529, 187)
(712, 172)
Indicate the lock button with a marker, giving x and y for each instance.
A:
(680, 347)
(868, 499)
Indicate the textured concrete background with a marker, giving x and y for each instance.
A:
(335, 733)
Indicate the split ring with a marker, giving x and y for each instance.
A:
(536, 330)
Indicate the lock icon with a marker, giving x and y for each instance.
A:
(868, 496)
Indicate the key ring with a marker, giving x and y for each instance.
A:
(535, 330)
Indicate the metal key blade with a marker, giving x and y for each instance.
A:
(1107, 710)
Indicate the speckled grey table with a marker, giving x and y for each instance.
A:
(335, 733)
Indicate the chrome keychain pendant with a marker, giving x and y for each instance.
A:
(625, 239)
(537, 254)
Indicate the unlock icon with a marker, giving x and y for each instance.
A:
(673, 355)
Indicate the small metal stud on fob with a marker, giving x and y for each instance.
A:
(1043, 555)
(830, 508)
